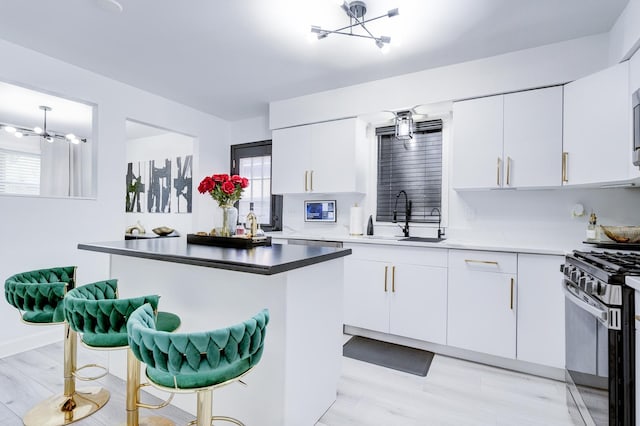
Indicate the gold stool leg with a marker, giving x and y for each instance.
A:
(133, 397)
(205, 403)
(71, 406)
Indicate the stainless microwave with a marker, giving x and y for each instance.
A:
(635, 99)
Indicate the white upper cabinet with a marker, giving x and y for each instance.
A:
(290, 159)
(328, 157)
(508, 141)
(477, 143)
(597, 128)
(533, 138)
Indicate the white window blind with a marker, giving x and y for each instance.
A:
(19, 172)
(414, 166)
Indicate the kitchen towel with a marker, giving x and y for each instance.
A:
(355, 221)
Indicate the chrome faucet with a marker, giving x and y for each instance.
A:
(407, 212)
(440, 230)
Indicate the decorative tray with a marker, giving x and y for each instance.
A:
(233, 242)
(613, 245)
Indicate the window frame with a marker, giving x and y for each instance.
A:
(259, 149)
(423, 126)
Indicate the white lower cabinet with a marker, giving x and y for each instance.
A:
(397, 290)
(541, 337)
(482, 302)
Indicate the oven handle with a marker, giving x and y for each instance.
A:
(600, 314)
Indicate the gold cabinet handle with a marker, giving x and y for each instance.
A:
(311, 175)
(306, 188)
(485, 262)
(637, 317)
(386, 268)
(393, 279)
(508, 171)
(565, 161)
(498, 171)
(511, 299)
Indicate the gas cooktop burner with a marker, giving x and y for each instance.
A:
(615, 263)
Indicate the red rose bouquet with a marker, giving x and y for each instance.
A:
(225, 189)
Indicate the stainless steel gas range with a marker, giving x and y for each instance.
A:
(600, 337)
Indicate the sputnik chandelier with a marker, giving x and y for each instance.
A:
(356, 10)
(45, 134)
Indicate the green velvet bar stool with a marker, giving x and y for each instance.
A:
(39, 296)
(197, 362)
(100, 317)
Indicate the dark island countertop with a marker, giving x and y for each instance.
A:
(264, 260)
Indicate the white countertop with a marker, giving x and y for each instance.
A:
(551, 248)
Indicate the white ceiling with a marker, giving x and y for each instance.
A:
(231, 58)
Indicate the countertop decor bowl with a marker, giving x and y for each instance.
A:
(163, 230)
(622, 234)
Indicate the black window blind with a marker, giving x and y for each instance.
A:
(414, 166)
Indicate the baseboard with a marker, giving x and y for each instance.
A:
(48, 335)
(495, 361)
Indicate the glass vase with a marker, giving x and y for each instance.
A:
(229, 220)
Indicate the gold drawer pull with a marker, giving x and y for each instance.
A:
(511, 303)
(306, 186)
(386, 268)
(393, 279)
(565, 160)
(484, 262)
(498, 171)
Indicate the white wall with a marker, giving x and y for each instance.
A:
(625, 35)
(540, 66)
(44, 232)
(169, 145)
(250, 130)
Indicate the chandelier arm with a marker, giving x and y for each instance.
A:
(361, 23)
(352, 34)
(351, 26)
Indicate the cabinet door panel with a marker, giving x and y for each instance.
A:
(366, 303)
(482, 312)
(533, 138)
(541, 310)
(291, 153)
(597, 131)
(333, 156)
(418, 304)
(477, 143)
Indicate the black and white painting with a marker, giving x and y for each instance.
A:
(159, 192)
(136, 174)
(160, 186)
(182, 184)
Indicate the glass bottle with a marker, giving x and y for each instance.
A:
(252, 222)
(592, 231)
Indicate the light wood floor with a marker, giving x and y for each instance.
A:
(455, 392)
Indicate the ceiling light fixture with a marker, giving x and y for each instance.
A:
(356, 10)
(404, 125)
(49, 136)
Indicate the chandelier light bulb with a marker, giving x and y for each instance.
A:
(37, 130)
(49, 139)
(75, 141)
(18, 134)
(70, 136)
(9, 129)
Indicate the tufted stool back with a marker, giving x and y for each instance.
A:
(40, 293)
(199, 359)
(95, 311)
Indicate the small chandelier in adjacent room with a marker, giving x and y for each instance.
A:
(42, 132)
(404, 125)
(356, 10)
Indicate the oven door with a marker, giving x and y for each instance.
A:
(590, 350)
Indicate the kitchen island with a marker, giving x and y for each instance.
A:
(213, 287)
